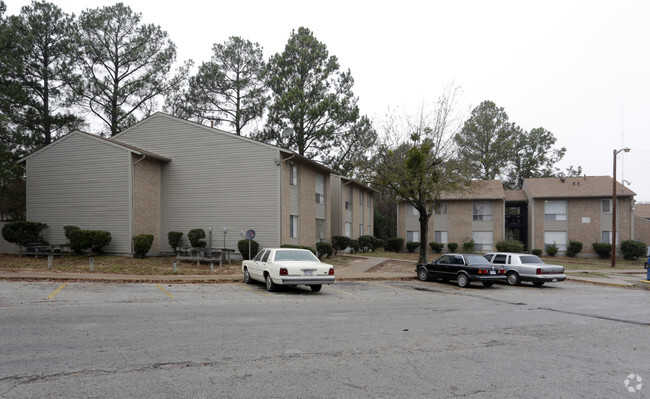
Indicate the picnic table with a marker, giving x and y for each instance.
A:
(199, 255)
(38, 249)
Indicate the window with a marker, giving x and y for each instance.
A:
(320, 230)
(607, 205)
(320, 189)
(361, 198)
(293, 175)
(482, 211)
(368, 201)
(348, 205)
(444, 259)
(260, 255)
(348, 229)
(483, 240)
(361, 229)
(412, 236)
(441, 208)
(606, 237)
(411, 211)
(555, 210)
(555, 237)
(369, 229)
(266, 256)
(293, 226)
(440, 236)
(500, 259)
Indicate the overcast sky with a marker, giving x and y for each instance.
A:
(580, 69)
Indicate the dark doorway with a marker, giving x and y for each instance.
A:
(517, 222)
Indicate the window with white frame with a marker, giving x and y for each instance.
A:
(483, 211)
(483, 240)
(411, 211)
(361, 229)
(293, 226)
(320, 189)
(320, 230)
(559, 238)
(606, 237)
(348, 229)
(441, 209)
(412, 236)
(607, 205)
(368, 201)
(440, 236)
(369, 229)
(348, 205)
(361, 198)
(555, 210)
(293, 175)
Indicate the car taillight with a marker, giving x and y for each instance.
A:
(539, 270)
(502, 271)
(284, 271)
(331, 272)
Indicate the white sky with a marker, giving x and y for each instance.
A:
(580, 69)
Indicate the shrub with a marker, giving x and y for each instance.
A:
(93, 240)
(196, 237)
(537, 252)
(354, 246)
(380, 243)
(324, 249)
(394, 244)
(69, 229)
(436, 247)
(453, 246)
(633, 249)
(141, 245)
(367, 243)
(23, 233)
(510, 246)
(552, 249)
(411, 246)
(468, 246)
(602, 249)
(340, 243)
(313, 251)
(174, 239)
(574, 248)
(242, 246)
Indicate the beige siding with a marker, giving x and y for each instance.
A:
(81, 181)
(146, 199)
(642, 230)
(215, 179)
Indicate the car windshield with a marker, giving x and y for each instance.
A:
(530, 259)
(476, 260)
(285, 255)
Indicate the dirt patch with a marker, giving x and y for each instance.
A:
(393, 266)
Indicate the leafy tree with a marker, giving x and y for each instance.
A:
(417, 171)
(314, 99)
(533, 156)
(125, 64)
(485, 142)
(230, 87)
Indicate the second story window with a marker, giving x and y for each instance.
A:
(483, 211)
(320, 189)
(293, 175)
(441, 208)
(555, 210)
(411, 211)
(607, 205)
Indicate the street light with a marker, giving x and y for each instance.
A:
(616, 152)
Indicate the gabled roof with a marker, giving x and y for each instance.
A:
(574, 187)
(130, 148)
(478, 189)
(642, 211)
(516, 195)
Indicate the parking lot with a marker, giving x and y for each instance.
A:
(353, 339)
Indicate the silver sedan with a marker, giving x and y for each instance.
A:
(526, 267)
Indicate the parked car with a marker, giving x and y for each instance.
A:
(526, 267)
(464, 268)
(288, 266)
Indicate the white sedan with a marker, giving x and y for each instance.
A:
(288, 266)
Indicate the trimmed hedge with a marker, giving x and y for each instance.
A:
(93, 240)
(196, 237)
(242, 246)
(602, 249)
(411, 246)
(552, 250)
(394, 244)
(537, 252)
(354, 246)
(367, 243)
(573, 249)
(468, 246)
(340, 243)
(453, 246)
(141, 245)
(633, 249)
(324, 249)
(510, 246)
(23, 233)
(174, 239)
(436, 247)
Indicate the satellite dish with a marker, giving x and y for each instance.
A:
(250, 234)
(287, 132)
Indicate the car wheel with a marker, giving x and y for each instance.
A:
(488, 283)
(315, 287)
(538, 283)
(247, 277)
(423, 275)
(462, 280)
(513, 278)
(270, 285)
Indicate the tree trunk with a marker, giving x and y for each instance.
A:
(424, 236)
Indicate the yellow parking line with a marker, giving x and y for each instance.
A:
(52, 295)
(342, 292)
(254, 290)
(163, 290)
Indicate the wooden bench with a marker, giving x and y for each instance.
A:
(199, 255)
(42, 250)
